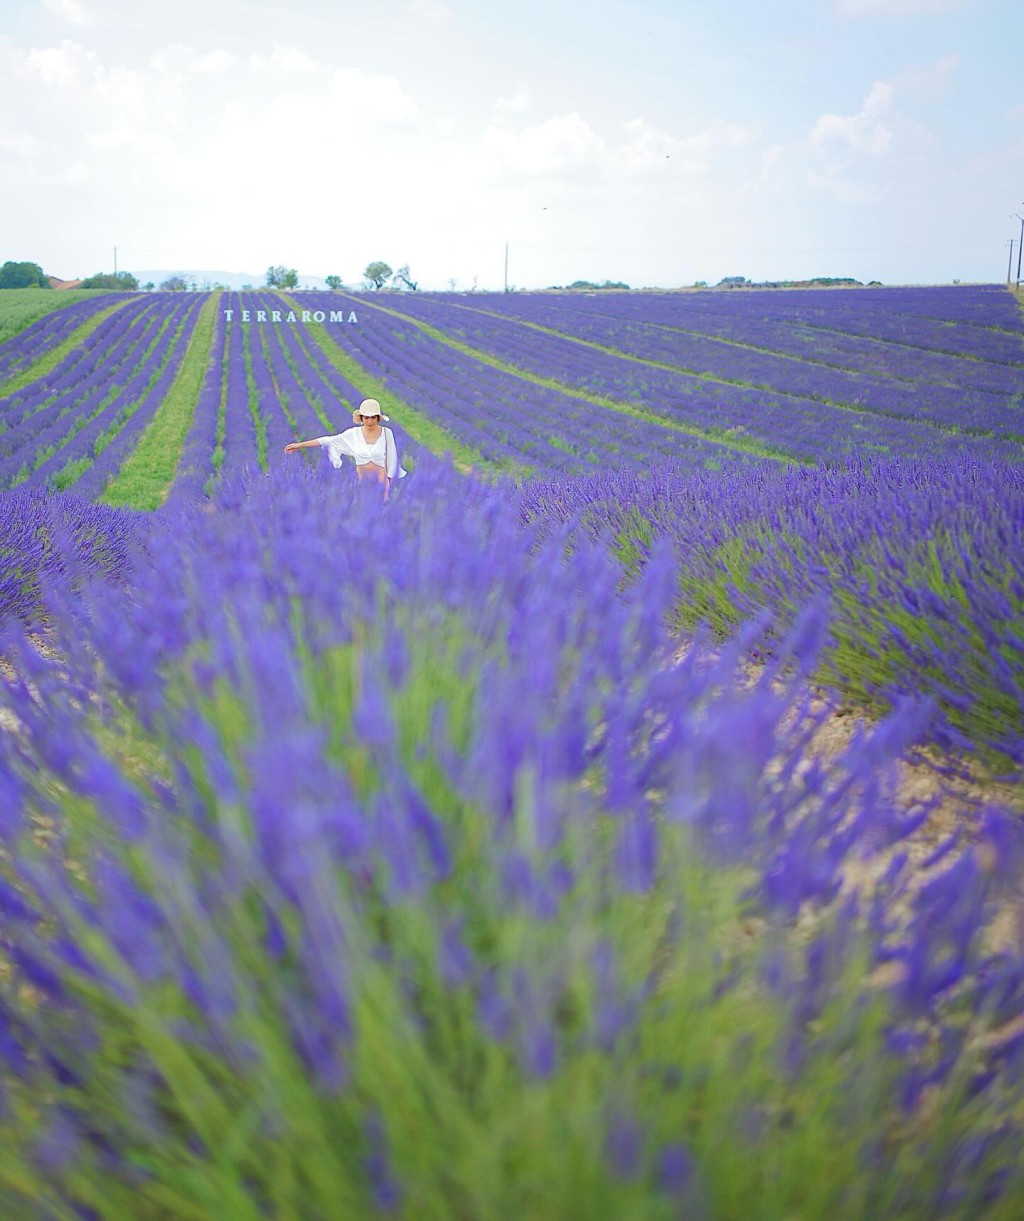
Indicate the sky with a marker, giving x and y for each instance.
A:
(655, 142)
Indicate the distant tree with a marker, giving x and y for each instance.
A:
(148, 286)
(451, 283)
(404, 276)
(23, 275)
(122, 281)
(377, 274)
(174, 284)
(282, 277)
(333, 281)
(591, 284)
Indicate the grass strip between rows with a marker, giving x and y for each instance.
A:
(54, 356)
(423, 430)
(146, 474)
(718, 437)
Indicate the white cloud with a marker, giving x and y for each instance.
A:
(378, 99)
(283, 60)
(516, 104)
(867, 131)
(63, 66)
(564, 142)
(215, 62)
(72, 11)
(567, 144)
(858, 157)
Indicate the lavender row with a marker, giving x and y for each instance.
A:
(948, 406)
(78, 380)
(919, 563)
(199, 459)
(240, 443)
(72, 434)
(149, 374)
(335, 395)
(265, 400)
(32, 343)
(137, 405)
(59, 544)
(788, 425)
(85, 365)
(978, 322)
(315, 400)
(506, 418)
(764, 321)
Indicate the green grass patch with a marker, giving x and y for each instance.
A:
(146, 475)
(20, 307)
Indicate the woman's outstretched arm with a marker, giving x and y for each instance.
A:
(292, 446)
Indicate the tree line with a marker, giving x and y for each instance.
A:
(375, 275)
(31, 275)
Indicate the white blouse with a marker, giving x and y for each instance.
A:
(352, 444)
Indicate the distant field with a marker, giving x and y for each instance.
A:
(531, 383)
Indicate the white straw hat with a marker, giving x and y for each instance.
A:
(371, 407)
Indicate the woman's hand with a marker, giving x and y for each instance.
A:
(291, 447)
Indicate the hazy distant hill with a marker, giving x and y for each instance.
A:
(205, 278)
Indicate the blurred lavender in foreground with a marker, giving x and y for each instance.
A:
(366, 858)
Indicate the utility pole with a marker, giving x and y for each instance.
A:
(1019, 245)
(1009, 263)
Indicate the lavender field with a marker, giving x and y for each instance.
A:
(490, 851)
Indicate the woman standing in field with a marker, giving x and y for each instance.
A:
(369, 443)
